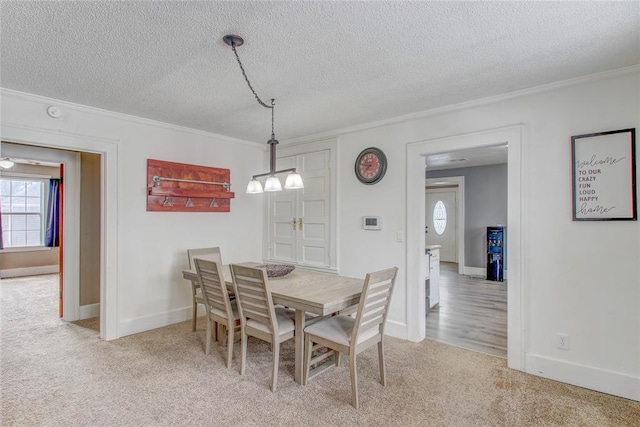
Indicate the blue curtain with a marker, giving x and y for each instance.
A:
(52, 238)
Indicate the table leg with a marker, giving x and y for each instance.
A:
(299, 343)
(220, 333)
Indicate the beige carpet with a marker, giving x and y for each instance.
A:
(60, 374)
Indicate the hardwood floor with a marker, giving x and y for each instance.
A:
(472, 313)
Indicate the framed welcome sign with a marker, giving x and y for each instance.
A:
(604, 176)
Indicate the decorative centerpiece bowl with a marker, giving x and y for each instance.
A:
(277, 270)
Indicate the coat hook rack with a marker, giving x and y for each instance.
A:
(181, 187)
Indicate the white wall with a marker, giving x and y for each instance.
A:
(578, 278)
(144, 269)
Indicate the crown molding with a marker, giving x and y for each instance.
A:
(466, 105)
(29, 97)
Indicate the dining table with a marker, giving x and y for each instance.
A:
(307, 292)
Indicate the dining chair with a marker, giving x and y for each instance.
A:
(349, 335)
(220, 309)
(258, 316)
(211, 254)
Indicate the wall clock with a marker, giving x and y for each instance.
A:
(371, 165)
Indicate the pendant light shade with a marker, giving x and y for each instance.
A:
(272, 184)
(294, 181)
(254, 187)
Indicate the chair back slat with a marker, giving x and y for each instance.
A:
(253, 295)
(373, 307)
(252, 291)
(214, 289)
(210, 254)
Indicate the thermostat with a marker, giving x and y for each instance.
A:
(371, 222)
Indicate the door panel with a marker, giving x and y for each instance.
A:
(314, 254)
(314, 232)
(283, 208)
(314, 209)
(282, 236)
(448, 238)
(283, 251)
(314, 185)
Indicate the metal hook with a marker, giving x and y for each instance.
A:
(167, 201)
(213, 204)
(189, 203)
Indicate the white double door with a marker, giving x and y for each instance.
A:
(299, 220)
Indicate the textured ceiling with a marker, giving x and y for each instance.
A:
(330, 65)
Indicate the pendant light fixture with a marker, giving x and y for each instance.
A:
(294, 180)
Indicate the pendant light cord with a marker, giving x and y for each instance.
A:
(273, 101)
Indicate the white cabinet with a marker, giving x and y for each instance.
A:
(433, 256)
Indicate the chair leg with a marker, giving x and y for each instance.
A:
(207, 349)
(243, 352)
(308, 344)
(383, 372)
(354, 379)
(336, 357)
(195, 314)
(229, 345)
(276, 361)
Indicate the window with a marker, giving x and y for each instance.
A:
(23, 204)
(439, 217)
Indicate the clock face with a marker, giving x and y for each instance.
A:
(371, 165)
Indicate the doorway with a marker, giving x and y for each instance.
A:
(416, 153)
(47, 146)
(79, 174)
(472, 312)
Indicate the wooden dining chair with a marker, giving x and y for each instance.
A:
(258, 316)
(220, 309)
(348, 335)
(211, 254)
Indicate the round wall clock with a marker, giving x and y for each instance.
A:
(371, 165)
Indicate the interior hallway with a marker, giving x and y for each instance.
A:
(472, 313)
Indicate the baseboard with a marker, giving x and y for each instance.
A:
(609, 382)
(154, 321)
(29, 271)
(396, 329)
(89, 311)
(475, 271)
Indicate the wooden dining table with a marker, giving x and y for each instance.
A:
(306, 291)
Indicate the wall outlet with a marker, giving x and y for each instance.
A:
(563, 341)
